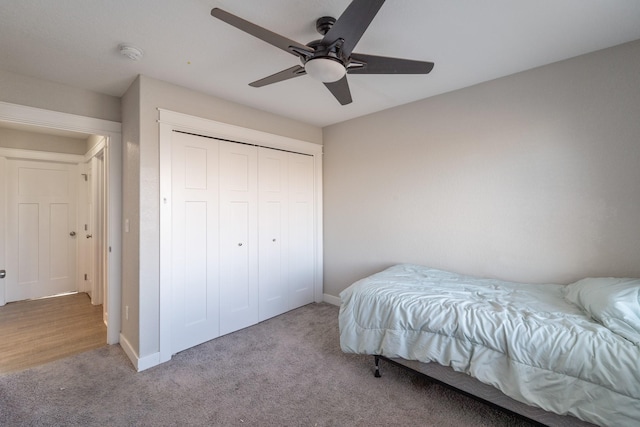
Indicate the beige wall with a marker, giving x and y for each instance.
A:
(23, 90)
(532, 177)
(142, 205)
(131, 212)
(14, 138)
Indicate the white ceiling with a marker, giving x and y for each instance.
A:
(75, 42)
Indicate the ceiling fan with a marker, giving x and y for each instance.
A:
(331, 58)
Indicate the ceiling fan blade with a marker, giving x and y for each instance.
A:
(371, 64)
(352, 24)
(262, 33)
(340, 89)
(287, 74)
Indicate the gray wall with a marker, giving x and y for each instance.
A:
(532, 177)
(131, 211)
(24, 90)
(25, 140)
(141, 187)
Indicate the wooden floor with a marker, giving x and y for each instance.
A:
(40, 331)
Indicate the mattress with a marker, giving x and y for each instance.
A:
(526, 340)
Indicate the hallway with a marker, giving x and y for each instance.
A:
(40, 331)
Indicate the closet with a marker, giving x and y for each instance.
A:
(242, 235)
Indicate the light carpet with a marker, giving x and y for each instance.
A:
(286, 371)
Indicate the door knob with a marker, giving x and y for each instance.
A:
(3, 274)
(72, 234)
(89, 236)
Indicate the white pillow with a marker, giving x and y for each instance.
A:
(614, 302)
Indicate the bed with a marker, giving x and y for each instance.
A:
(556, 354)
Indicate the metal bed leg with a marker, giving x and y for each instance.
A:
(377, 362)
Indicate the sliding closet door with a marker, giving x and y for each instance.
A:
(194, 240)
(273, 182)
(238, 236)
(242, 246)
(301, 232)
(286, 231)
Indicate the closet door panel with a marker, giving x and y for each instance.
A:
(301, 243)
(237, 281)
(195, 252)
(238, 237)
(194, 240)
(273, 183)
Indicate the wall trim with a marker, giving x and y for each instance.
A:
(206, 127)
(56, 120)
(330, 299)
(18, 153)
(139, 363)
(95, 150)
(129, 351)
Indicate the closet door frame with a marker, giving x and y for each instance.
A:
(170, 121)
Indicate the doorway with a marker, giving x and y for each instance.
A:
(108, 156)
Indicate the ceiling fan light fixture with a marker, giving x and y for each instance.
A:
(325, 69)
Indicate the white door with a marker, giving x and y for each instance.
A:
(301, 231)
(238, 236)
(41, 234)
(194, 240)
(273, 182)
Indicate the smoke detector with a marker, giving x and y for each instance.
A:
(131, 52)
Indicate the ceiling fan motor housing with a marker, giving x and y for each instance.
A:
(324, 24)
(320, 50)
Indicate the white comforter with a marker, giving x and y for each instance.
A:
(524, 339)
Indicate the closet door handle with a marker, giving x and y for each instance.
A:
(239, 244)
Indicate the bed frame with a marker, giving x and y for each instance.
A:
(477, 390)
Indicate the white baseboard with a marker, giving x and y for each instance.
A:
(129, 351)
(140, 363)
(148, 361)
(332, 300)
